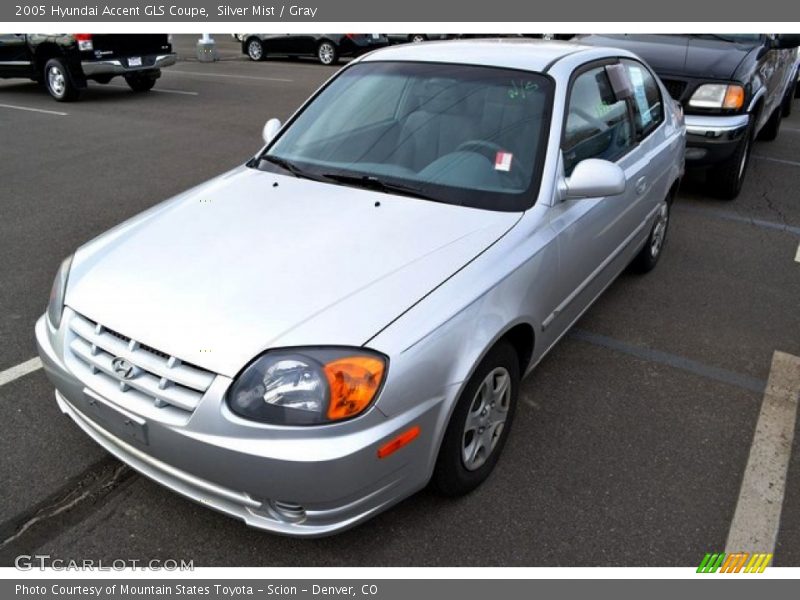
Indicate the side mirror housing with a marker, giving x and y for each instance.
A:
(271, 129)
(593, 178)
(787, 40)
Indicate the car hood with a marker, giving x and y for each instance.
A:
(253, 260)
(684, 55)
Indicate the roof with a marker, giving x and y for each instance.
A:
(515, 53)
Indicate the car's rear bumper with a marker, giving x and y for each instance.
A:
(121, 66)
(303, 482)
(712, 139)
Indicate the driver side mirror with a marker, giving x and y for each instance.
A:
(593, 178)
(787, 40)
(271, 129)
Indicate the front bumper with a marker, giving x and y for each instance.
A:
(712, 139)
(120, 66)
(297, 481)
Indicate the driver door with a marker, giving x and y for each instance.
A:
(594, 234)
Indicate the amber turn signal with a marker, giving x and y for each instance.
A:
(401, 440)
(353, 381)
(734, 97)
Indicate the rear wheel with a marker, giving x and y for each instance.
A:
(255, 49)
(140, 82)
(480, 423)
(417, 38)
(59, 82)
(727, 178)
(770, 130)
(327, 53)
(648, 256)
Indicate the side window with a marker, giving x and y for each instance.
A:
(597, 126)
(648, 106)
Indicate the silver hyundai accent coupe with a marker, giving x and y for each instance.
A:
(313, 336)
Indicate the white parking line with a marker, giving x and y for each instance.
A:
(29, 366)
(782, 161)
(758, 511)
(39, 110)
(160, 90)
(228, 75)
(797, 256)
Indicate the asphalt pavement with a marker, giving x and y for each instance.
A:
(631, 438)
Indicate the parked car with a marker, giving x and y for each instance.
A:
(415, 38)
(65, 62)
(327, 47)
(733, 88)
(313, 336)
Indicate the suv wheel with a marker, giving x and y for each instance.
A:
(59, 82)
(255, 49)
(327, 53)
(791, 94)
(770, 130)
(479, 424)
(727, 178)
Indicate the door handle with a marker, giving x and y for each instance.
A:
(641, 185)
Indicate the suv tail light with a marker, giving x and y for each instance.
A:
(84, 41)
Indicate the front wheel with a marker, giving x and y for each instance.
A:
(480, 423)
(773, 125)
(648, 256)
(59, 82)
(140, 83)
(327, 53)
(727, 178)
(255, 50)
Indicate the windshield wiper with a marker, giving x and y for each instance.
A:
(371, 182)
(288, 165)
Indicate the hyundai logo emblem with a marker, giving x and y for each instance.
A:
(124, 368)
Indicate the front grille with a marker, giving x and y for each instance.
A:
(163, 378)
(675, 87)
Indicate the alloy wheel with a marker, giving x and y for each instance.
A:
(486, 418)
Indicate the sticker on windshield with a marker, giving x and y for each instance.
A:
(502, 161)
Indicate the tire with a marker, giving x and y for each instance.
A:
(327, 53)
(728, 177)
(58, 81)
(255, 49)
(791, 94)
(770, 130)
(648, 256)
(461, 466)
(140, 83)
(416, 38)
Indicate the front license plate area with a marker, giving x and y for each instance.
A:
(135, 61)
(115, 419)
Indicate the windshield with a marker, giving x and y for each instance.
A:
(459, 134)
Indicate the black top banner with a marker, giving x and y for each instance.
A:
(355, 11)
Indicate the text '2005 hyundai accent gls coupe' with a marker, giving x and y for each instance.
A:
(313, 336)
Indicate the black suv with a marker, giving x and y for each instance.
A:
(733, 88)
(64, 62)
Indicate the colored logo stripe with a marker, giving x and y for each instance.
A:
(734, 563)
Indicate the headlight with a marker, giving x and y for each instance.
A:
(55, 308)
(307, 386)
(719, 96)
